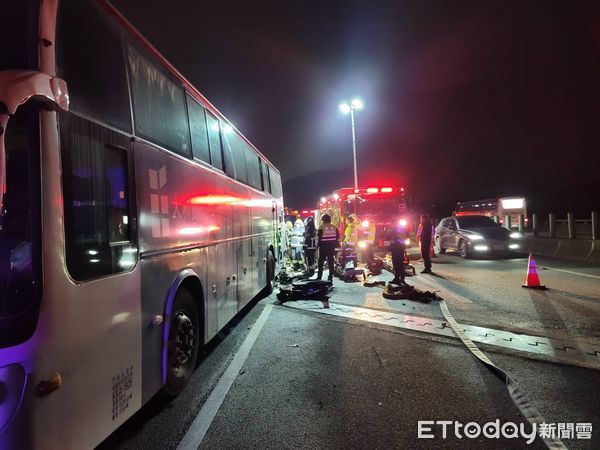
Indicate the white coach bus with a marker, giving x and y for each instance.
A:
(513, 207)
(135, 222)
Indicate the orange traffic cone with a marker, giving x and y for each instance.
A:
(532, 279)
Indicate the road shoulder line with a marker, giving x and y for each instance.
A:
(199, 427)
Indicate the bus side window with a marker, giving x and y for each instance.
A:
(253, 168)
(266, 179)
(275, 183)
(96, 200)
(158, 104)
(214, 141)
(90, 57)
(197, 118)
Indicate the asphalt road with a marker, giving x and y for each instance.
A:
(317, 381)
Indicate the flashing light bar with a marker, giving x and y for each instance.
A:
(372, 190)
(387, 189)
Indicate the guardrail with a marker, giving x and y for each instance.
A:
(570, 227)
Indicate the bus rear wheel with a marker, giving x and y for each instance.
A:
(183, 343)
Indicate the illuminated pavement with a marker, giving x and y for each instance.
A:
(320, 381)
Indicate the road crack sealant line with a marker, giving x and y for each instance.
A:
(518, 396)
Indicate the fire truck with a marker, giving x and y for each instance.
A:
(377, 209)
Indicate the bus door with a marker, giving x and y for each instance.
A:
(100, 309)
(277, 233)
(226, 272)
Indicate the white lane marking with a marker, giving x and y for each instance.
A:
(195, 434)
(571, 272)
(435, 284)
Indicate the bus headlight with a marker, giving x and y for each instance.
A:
(516, 235)
(12, 385)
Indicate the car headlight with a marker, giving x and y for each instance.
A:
(516, 235)
(475, 237)
(407, 242)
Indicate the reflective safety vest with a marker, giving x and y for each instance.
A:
(371, 231)
(329, 233)
(351, 233)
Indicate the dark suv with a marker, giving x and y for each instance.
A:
(471, 235)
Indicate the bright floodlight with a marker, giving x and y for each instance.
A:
(345, 108)
(357, 103)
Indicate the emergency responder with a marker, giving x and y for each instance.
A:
(328, 240)
(288, 237)
(351, 233)
(310, 245)
(425, 235)
(297, 239)
(369, 231)
(397, 238)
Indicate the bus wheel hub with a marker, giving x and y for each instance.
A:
(185, 338)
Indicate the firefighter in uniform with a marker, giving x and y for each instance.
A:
(425, 235)
(328, 239)
(349, 247)
(397, 239)
(310, 245)
(351, 233)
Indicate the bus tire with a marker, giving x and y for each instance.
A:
(270, 273)
(463, 249)
(183, 343)
(438, 246)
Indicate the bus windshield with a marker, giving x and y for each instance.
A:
(19, 35)
(18, 245)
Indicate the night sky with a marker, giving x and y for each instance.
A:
(463, 100)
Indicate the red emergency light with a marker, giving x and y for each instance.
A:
(386, 189)
(372, 190)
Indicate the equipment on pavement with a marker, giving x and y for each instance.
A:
(304, 290)
(532, 280)
(346, 265)
(406, 292)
